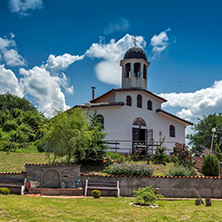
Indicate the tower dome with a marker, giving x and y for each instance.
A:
(134, 68)
(135, 53)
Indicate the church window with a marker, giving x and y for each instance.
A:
(100, 119)
(128, 101)
(172, 131)
(139, 101)
(144, 72)
(137, 69)
(149, 105)
(139, 122)
(128, 70)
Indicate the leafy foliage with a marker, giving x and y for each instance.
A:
(96, 193)
(211, 165)
(181, 154)
(95, 150)
(70, 134)
(130, 169)
(180, 171)
(4, 191)
(146, 195)
(203, 134)
(19, 121)
(218, 152)
(160, 155)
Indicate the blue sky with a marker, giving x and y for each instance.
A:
(53, 51)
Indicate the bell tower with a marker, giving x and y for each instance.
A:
(134, 68)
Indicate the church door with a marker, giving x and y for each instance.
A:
(139, 139)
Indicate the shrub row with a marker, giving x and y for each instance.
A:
(130, 169)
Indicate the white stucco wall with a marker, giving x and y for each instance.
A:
(118, 120)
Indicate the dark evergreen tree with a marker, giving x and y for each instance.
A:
(211, 166)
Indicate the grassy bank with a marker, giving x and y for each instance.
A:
(14, 162)
(103, 209)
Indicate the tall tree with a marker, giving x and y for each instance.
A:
(70, 134)
(203, 132)
(19, 120)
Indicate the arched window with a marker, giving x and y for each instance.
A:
(139, 101)
(144, 72)
(172, 131)
(128, 101)
(128, 70)
(100, 119)
(137, 69)
(139, 122)
(149, 105)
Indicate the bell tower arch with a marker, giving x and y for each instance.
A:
(134, 68)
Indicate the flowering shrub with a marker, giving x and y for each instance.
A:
(130, 169)
(180, 171)
(108, 161)
(182, 153)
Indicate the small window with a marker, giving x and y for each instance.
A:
(144, 72)
(128, 69)
(149, 105)
(100, 119)
(137, 69)
(172, 131)
(139, 101)
(128, 101)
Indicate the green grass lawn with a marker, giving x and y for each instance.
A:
(14, 162)
(23, 208)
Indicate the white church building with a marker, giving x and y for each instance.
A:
(132, 116)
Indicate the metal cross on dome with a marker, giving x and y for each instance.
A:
(134, 40)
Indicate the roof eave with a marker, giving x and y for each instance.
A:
(187, 123)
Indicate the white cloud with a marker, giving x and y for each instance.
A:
(9, 82)
(9, 53)
(59, 63)
(120, 25)
(45, 83)
(160, 42)
(196, 104)
(105, 70)
(22, 6)
(46, 89)
(111, 53)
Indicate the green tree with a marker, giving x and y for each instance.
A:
(203, 134)
(211, 165)
(70, 134)
(218, 152)
(19, 121)
(95, 150)
(160, 155)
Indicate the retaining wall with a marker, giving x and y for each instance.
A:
(208, 187)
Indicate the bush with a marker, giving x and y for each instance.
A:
(211, 166)
(160, 155)
(130, 169)
(180, 171)
(4, 191)
(96, 193)
(146, 195)
(182, 152)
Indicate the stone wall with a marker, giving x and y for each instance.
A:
(50, 176)
(12, 175)
(169, 187)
